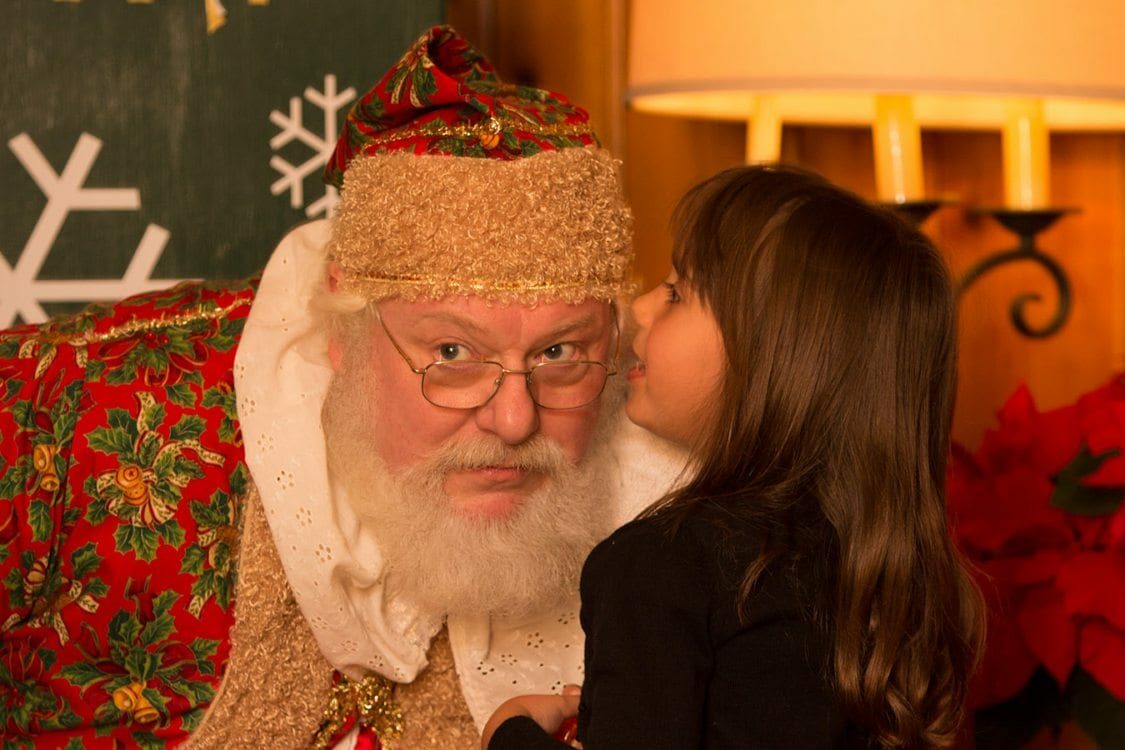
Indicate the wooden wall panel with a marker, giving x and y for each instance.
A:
(563, 45)
(1089, 172)
(576, 47)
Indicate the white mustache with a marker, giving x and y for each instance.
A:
(539, 454)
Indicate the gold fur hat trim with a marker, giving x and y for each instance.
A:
(552, 227)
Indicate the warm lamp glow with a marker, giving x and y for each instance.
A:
(1022, 67)
(1026, 155)
(763, 135)
(898, 150)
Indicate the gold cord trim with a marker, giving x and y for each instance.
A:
(371, 700)
(206, 311)
(482, 285)
(493, 126)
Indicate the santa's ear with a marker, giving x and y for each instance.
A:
(335, 353)
(335, 276)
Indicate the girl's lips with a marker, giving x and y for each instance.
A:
(636, 371)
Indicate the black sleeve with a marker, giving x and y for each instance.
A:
(522, 733)
(645, 610)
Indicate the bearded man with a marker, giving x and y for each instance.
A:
(346, 505)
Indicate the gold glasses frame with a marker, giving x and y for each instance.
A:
(610, 369)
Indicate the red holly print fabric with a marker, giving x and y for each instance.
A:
(121, 485)
(444, 98)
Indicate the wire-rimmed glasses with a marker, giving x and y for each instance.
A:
(470, 384)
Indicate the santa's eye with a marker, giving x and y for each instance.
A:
(451, 352)
(559, 353)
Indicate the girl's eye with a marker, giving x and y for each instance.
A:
(559, 353)
(449, 352)
(673, 293)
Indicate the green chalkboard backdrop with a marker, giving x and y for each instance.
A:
(147, 142)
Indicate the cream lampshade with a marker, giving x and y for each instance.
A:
(1024, 67)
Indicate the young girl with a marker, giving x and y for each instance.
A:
(801, 590)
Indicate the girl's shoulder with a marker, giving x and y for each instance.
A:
(657, 534)
(698, 547)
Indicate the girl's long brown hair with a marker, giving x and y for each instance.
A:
(839, 326)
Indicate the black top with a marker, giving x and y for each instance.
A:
(669, 664)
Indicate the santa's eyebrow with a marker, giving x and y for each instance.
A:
(569, 327)
(566, 328)
(450, 318)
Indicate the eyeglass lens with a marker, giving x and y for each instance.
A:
(553, 385)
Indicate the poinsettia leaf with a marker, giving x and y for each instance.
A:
(84, 560)
(157, 630)
(111, 441)
(164, 601)
(148, 741)
(81, 674)
(223, 585)
(205, 584)
(14, 386)
(11, 481)
(191, 719)
(203, 648)
(222, 342)
(123, 375)
(123, 628)
(149, 447)
(1012, 724)
(97, 511)
(141, 664)
(48, 657)
(41, 523)
(13, 582)
(153, 417)
(96, 588)
(63, 426)
(228, 431)
(24, 414)
(239, 479)
(1096, 710)
(211, 515)
(171, 532)
(94, 371)
(188, 469)
(234, 326)
(1090, 501)
(193, 560)
(1071, 496)
(181, 394)
(188, 428)
(156, 699)
(137, 539)
(106, 716)
(122, 419)
(71, 516)
(199, 693)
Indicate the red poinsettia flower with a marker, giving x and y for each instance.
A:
(1038, 510)
(1101, 416)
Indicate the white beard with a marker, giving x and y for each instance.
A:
(448, 563)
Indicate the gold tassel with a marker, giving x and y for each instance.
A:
(372, 700)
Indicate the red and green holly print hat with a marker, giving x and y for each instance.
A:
(454, 182)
